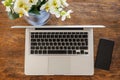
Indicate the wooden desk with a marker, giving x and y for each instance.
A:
(12, 40)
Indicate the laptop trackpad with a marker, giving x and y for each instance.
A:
(59, 65)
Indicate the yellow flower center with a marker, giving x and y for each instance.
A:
(47, 7)
(31, 1)
(55, 3)
(20, 14)
(21, 4)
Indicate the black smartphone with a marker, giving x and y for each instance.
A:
(104, 54)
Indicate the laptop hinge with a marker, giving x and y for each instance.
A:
(59, 28)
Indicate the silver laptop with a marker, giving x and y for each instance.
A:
(59, 50)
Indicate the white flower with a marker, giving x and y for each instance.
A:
(8, 9)
(66, 14)
(51, 4)
(46, 7)
(22, 7)
(60, 9)
(55, 3)
(55, 11)
(2, 2)
(32, 2)
(64, 3)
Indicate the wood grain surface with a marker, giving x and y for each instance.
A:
(104, 12)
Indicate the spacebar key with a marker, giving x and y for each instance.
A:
(57, 52)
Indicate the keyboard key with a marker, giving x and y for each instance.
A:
(56, 36)
(74, 52)
(32, 36)
(37, 47)
(32, 47)
(51, 44)
(80, 36)
(63, 44)
(83, 44)
(71, 44)
(60, 36)
(83, 47)
(42, 40)
(73, 47)
(47, 44)
(53, 47)
(78, 40)
(40, 36)
(65, 47)
(82, 40)
(62, 40)
(39, 44)
(33, 40)
(57, 51)
(78, 52)
(79, 44)
(86, 52)
(67, 44)
(50, 40)
(36, 52)
(49, 47)
(85, 36)
(59, 43)
(41, 47)
(61, 47)
(66, 40)
(70, 40)
(58, 40)
(77, 48)
(48, 36)
(55, 44)
(33, 44)
(32, 33)
(40, 51)
(46, 40)
(36, 33)
(36, 36)
(57, 47)
(74, 40)
(85, 32)
(43, 44)
(81, 33)
(72, 36)
(76, 36)
(69, 47)
(69, 51)
(64, 36)
(44, 52)
(38, 40)
(82, 52)
(32, 51)
(52, 36)
(45, 47)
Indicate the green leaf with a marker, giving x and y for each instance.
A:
(43, 2)
(13, 16)
(34, 10)
(38, 3)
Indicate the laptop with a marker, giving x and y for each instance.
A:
(59, 50)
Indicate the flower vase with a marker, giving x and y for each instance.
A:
(38, 19)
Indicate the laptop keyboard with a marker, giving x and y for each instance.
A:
(59, 43)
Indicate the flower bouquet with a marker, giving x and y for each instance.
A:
(19, 8)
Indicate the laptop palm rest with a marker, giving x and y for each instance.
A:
(59, 65)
